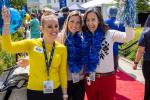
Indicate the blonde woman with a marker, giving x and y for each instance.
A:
(71, 36)
(47, 59)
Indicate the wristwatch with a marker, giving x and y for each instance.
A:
(135, 62)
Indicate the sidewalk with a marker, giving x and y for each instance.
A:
(126, 66)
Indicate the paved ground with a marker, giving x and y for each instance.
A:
(126, 66)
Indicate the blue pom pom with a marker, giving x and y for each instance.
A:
(128, 12)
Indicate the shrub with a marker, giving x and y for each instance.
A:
(130, 52)
(7, 60)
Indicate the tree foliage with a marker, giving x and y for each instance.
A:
(18, 4)
(142, 5)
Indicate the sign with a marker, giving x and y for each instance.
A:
(62, 3)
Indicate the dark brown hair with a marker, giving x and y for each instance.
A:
(98, 12)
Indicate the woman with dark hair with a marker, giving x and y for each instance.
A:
(144, 50)
(98, 43)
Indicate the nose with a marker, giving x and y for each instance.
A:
(74, 25)
(54, 29)
(89, 23)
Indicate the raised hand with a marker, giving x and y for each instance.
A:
(6, 15)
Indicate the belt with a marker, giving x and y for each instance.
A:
(105, 74)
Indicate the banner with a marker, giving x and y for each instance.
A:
(62, 3)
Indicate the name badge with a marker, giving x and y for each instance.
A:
(38, 49)
(75, 77)
(48, 87)
(92, 76)
(88, 81)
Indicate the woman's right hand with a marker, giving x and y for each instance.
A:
(5, 15)
(23, 62)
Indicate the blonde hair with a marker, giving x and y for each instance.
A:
(65, 27)
(47, 11)
(47, 17)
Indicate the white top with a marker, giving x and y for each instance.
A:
(106, 60)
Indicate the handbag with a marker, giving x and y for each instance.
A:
(13, 82)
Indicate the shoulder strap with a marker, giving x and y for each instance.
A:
(7, 95)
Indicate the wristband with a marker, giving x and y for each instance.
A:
(135, 62)
(65, 95)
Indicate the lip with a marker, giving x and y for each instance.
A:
(54, 34)
(91, 28)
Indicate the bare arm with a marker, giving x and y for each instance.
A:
(139, 55)
(123, 36)
(6, 18)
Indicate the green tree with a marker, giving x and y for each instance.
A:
(142, 5)
(49, 6)
(17, 3)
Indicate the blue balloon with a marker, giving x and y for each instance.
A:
(15, 20)
(23, 13)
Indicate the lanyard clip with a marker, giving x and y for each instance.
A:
(88, 80)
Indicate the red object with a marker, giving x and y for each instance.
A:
(127, 88)
(102, 89)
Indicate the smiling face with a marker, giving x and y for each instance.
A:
(50, 27)
(74, 24)
(92, 21)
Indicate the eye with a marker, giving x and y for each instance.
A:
(93, 19)
(87, 20)
(49, 26)
(56, 26)
(71, 21)
(78, 22)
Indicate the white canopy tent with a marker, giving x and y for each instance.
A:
(97, 3)
(104, 4)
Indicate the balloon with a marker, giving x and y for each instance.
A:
(15, 17)
(15, 20)
(23, 13)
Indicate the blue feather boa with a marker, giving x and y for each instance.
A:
(73, 44)
(128, 12)
(91, 47)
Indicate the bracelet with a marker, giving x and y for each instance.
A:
(135, 62)
(65, 95)
(6, 23)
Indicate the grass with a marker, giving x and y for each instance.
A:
(130, 52)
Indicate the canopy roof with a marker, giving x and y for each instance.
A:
(97, 3)
(76, 7)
